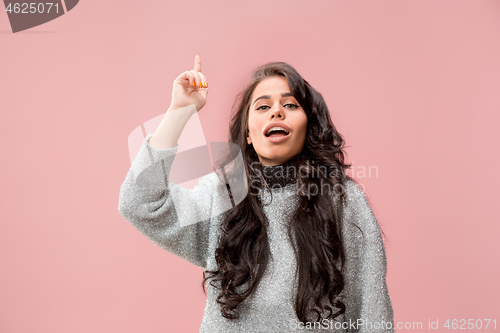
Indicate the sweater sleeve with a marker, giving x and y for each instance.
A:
(369, 307)
(172, 217)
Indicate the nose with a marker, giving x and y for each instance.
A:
(277, 112)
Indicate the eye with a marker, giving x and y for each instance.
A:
(292, 106)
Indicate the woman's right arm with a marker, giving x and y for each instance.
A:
(175, 218)
(169, 131)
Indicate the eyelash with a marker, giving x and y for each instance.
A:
(294, 106)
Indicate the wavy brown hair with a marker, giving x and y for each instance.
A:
(243, 250)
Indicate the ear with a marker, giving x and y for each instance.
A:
(249, 141)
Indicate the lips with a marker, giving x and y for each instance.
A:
(276, 124)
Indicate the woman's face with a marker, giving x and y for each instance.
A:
(272, 102)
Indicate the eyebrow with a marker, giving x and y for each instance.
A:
(269, 97)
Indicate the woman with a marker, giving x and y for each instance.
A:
(291, 256)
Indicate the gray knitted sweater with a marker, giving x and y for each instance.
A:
(149, 207)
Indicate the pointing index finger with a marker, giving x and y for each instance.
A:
(197, 63)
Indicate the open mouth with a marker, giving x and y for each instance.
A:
(276, 133)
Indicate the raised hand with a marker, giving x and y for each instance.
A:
(190, 87)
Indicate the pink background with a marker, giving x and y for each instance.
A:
(413, 86)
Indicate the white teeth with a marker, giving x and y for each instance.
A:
(276, 128)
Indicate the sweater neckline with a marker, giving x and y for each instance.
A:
(281, 175)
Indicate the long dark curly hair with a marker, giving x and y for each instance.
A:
(315, 229)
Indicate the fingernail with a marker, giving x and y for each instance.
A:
(206, 84)
(201, 86)
(194, 85)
